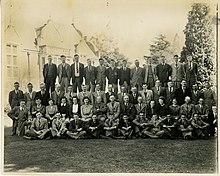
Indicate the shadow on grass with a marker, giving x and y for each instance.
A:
(106, 155)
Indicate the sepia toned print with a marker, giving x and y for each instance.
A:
(109, 86)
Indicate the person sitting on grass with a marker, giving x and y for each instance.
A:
(185, 127)
(169, 126)
(111, 126)
(140, 123)
(58, 126)
(200, 128)
(39, 128)
(93, 127)
(126, 127)
(76, 128)
(86, 110)
(154, 130)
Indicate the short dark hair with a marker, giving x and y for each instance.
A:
(16, 83)
(50, 99)
(86, 98)
(29, 84)
(101, 59)
(62, 56)
(176, 55)
(76, 55)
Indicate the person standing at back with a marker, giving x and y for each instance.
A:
(50, 74)
(101, 74)
(15, 96)
(90, 76)
(124, 75)
(64, 73)
(77, 73)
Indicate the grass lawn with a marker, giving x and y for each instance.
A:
(107, 155)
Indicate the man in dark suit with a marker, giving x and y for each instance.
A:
(64, 73)
(57, 94)
(170, 93)
(50, 74)
(43, 94)
(77, 74)
(163, 72)
(158, 91)
(19, 116)
(190, 71)
(196, 94)
(109, 93)
(90, 76)
(182, 92)
(124, 75)
(187, 108)
(101, 74)
(137, 76)
(112, 75)
(15, 96)
(149, 78)
(134, 95)
(128, 108)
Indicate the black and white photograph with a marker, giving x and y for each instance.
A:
(109, 86)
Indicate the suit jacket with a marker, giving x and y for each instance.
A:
(102, 108)
(81, 95)
(54, 71)
(137, 76)
(121, 97)
(36, 126)
(81, 72)
(14, 99)
(102, 94)
(113, 109)
(17, 113)
(203, 111)
(151, 111)
(142, 108)
(30, 101)
(177, 72)
(124, 75)
(163, 72)
(148, 97)
(71, 110)
(42, 109)
(157, 94)
(188, 110)
(90, 75)
(44, 98)
(68, 71)
(112, 75)
(133, 99)
(73, 126)
(169, 95)
(128, 110)
(180, 96)
(190, 73)
(147, 72)
(209, 97)
(57, 98)
(101, 74)
(195, 96)
(69, 96)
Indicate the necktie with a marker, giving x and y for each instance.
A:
(140, 106)
(77, 68)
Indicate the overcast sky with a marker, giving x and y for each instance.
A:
(133, 23)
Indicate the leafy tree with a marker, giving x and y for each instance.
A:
(199, 40)
(159, 48)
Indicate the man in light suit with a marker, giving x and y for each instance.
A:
(50, 74)
(90, 76)
(146, 94)
(149, 78)
(29, 97)
(64, 73)
(77, 73)
(177, 71)
(101, 74)
(122, 94)
(39, 128)
(187, 108)
(70, 94)
(163, 72)
(15, 96)
(124, 75)
(137, 76)
(190, 71)
(43, 94)
(100, 93)
(19, 115)
(57, 94)
(113, 108)
(84, 93)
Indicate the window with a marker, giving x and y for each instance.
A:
(15, 49)
(15, 61)
(9, 71)
(8, 48)
(15, 72)
(8, 60)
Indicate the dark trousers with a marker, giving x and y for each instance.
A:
(14, 126)
(50, 84)
(77, 84)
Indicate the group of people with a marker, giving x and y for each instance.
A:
(162, 101)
